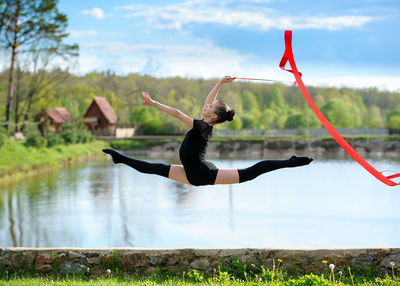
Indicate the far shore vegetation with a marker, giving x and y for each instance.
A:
(258, 106)
(19, 158)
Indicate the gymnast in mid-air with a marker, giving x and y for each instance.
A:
(195, 169)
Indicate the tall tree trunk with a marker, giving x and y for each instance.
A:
(17, 98)
(10, 94)
(15, 45)
(29, 99)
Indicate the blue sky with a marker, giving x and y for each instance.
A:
(336, 43)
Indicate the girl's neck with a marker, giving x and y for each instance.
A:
(208, 121)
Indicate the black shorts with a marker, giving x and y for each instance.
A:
(203, 174)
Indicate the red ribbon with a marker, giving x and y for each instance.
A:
(288, 56)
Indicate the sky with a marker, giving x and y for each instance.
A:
(335, 43)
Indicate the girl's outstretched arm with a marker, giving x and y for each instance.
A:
(168, 110)
(214, 92)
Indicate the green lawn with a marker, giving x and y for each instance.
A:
(16, 159)
(307, 280)
(234, 277)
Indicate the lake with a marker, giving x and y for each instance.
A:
(330, 203)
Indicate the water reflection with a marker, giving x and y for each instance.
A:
(331, 203)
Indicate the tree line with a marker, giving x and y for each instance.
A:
(258, 106)
(32, 37)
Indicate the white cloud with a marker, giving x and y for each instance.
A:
(96, 13)
(391, 83)
(202, 60)
(81, 34)
(332, 23)
(245, 16)
(208, 61)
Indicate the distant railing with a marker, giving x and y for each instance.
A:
(268, 133)
(300, 132)
(124, 125)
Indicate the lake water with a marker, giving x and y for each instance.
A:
(330, 203)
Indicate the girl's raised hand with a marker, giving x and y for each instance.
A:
(227, 79)
(147, 99)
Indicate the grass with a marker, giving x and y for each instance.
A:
(17, 160)
(235, 273)
(196, 279)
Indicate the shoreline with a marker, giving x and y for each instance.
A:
(325, 147)
(78, 155)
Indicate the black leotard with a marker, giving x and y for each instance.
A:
(199, 171)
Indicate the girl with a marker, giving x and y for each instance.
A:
(195, 169)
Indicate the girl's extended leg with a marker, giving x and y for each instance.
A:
(177, 173)
(227, 177)
(139, 165)
(270, 165)
(234, 176)
(174, 172)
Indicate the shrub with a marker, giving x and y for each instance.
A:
(3, 137)
(34, 138)
(75, 133)
(53, 138)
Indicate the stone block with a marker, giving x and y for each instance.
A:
(133, 260)
(22, 260)
(93, 261)
(72, 268)
(61, 258)
(200, 263)
(154, 261)
(300, 145)
(387, 261)
(43, 268)
(91, 254)
(43, 258)
(75, 255)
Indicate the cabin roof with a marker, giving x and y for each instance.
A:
(106, 109)
(58, 115)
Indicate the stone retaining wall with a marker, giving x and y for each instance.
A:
(96, 262)
(270, 148)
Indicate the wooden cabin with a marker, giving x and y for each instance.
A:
(100, 117)
(53, 119)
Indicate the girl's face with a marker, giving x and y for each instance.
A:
(208, 110)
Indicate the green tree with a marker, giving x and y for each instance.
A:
(393, 120)
(374, 117)
(236, 123)
(295, 121)
(276, 99)
(268, 119)
(250, 103)
(338, 114)
(141, 115)
(249, 121)
(30, 25)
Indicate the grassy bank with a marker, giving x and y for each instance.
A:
(198, 280)
(18, 161)
(238, 273)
